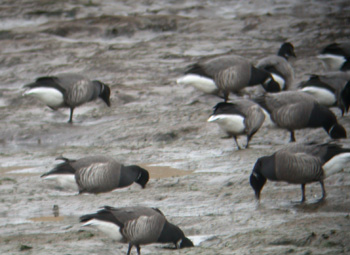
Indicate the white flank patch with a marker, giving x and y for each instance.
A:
(110, 229)
(66, 181)
(229, 122)
(336, 164)
(196, 240)
(49, 96)
(322, 95)
(199, 82)
(331, 62)
(281, 82)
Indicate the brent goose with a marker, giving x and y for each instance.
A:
(294, 110)
(335, 56)
(242, 117)
(97, 174)
(329, 89)
(279, 67)
(136, 226)
(67, 90)
(300, 164)
(224, 74)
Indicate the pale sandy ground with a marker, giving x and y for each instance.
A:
(198, 180)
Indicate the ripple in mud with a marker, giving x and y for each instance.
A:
(113, 26)
(158, 172)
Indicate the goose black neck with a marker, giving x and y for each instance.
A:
(321, 116)
(170, 234)
(258, 76)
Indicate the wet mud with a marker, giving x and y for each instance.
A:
(199, 181)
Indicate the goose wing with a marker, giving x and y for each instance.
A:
(233, 78)
(298, 167)
(98, 176)
(254, 119)
(293, 116)
(79, 88)
(274, 101)
(210, 67)
(144, 229)
(125, 214)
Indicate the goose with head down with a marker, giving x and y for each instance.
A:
(279, 67)
(293, 110)
(224, 74)
(97, 174)
(67, 90)
(136, 226)
(242, 117)
(300, 164)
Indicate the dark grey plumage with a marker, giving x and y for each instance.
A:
(98, 174)
(279, 67)
(329, 89)
(242, 117)
(294, 110)
(299, 164)
(137, 226)
(67, 90)
(224, 74)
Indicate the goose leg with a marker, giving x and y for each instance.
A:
(226, 94)
(138, 248)
(292, 136)
(235, 137)
(248, 140)
(129, 249)
(303, 193)
(324, 194)
(71, 115)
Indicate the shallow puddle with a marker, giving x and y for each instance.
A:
(158, 172)
(47, 218)
(21, 170)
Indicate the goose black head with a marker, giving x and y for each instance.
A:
(143, 176)
(270, 85)
(257, 180)
(337, 131)
(345, 98)
(105, 92)
(185, 243)
(286, 50)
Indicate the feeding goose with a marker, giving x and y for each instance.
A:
(224, 74)
(329, 89)
(335, 56)
(300, 164)
(136, 226)
(97, 174)
(279, 67)
(242, 117)
(67, 90)
(294, 110)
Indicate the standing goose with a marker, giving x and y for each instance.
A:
(329, 89)
(294, 110)
(335, 56)
(243, 117)
(98, 174)
(136, 226)
(300, 164)
(207, 73)
(279, 67)
(67, 90)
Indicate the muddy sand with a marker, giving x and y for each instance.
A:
(200, 181)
